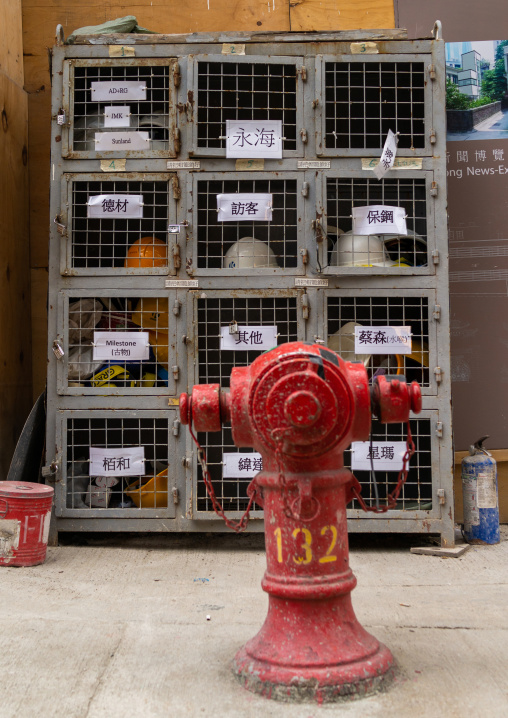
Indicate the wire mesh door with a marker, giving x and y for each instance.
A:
(118, 464)
(364, 98)
(419, 493)
(251, 313)
(247, 244)
(248, 88)
(119, 108)
(117, 343)
(361, 326)
(381, 248)
(117, 225)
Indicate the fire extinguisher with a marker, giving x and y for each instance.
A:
(479, 491)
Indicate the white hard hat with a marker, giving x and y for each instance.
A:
(249, 253)
(343, 342)
(359, 250)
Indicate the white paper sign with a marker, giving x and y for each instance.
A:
(115, 205)
(125, 346)
(387, 156)
(129, 461)
(118, 90)
(379, 219)
(250, 138)
(117, 116)
(258, 338)
(241, 465)
(244, 207)
(382, 340)
(117, 141)
(386, 455)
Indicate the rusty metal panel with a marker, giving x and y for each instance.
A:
(156, 114)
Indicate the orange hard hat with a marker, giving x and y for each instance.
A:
(147, 252)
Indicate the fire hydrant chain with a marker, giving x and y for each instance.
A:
(237, 526)
(391, 499)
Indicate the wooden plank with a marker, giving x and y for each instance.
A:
(11, 54)
(39, 138)
(39, 282)
(347, 15)
(15, 348)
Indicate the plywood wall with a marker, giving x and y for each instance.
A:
(15, 339)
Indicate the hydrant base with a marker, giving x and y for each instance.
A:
(345, 682)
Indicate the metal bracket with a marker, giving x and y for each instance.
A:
(177, 305)
(305, 189)
(436, 314)
(176, 427)
(305, 306)
(177, 77)
(432, 71)
(304, 136)
(177, 261)
(432, 136)
(438, 373)
(435, 256)
(433, 189)
(303, 73)
(441, 496)
(176, 495)
(439, 429)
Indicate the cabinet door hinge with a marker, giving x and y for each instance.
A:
(176, 427)
(176, 307)
(439, 429)
(176, 138)
(177, 260)
(441, 495)
(176, 495)
(433, 189)
(437, 312)
(431, 69)
(304, 136)
(438, 373)
(176, 372)
(432, 136)
(177, 77)
(305, 304)
(305, 189)
(177, 192)
(435, 256)
(303, 73)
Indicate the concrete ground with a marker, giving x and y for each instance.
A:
(116, 626)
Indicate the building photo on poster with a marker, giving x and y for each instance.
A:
(477, 174)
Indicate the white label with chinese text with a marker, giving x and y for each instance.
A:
(117, 462)
(115, 205)
(310, 282)
(258, 338)
(244, 207)
(237, 466)
(487, 490)
(250, 138)
(183, 164)
(386, 455)
(382, 340)
(387, 156)
(118, 90)
(379, 219)
(313, 164)
(181, 283)
(125, 346)
(117, 116)
(112, 141)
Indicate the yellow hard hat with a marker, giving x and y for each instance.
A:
(152, 313)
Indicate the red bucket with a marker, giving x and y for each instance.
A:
(25, 515)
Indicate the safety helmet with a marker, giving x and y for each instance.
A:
(407, 249)
(158, 129)
(359, 250)
(147, 252)
(249, 253)
(151, 313)
(343, 342)
(149, 492)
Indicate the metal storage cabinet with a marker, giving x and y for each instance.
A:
(336, 96)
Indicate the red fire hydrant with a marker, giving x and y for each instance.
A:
(300, 405)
